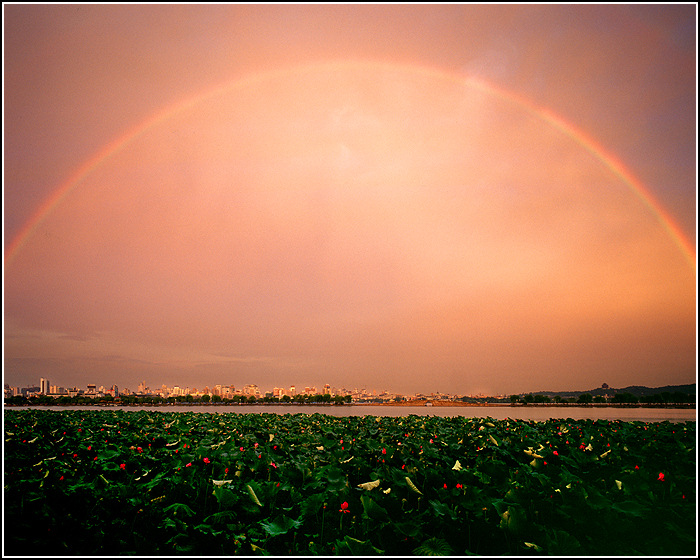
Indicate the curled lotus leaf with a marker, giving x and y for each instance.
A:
(369, 485)
(413, 486)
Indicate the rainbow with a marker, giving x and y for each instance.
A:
(686, 246)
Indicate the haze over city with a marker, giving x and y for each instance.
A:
(470, 199)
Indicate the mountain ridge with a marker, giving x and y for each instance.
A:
(636, 390)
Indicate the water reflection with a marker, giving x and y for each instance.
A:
(537, 413)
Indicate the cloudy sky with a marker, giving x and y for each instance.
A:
(455, 198)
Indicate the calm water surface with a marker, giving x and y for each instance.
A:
(537, 413)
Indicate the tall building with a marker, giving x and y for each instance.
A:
(44, 387)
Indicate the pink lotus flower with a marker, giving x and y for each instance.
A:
(188, 465)
(240, 448)
(206, 460)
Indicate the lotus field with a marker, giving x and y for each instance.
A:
(144, 482)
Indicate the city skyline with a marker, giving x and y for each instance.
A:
(45, 387)
(470, 199)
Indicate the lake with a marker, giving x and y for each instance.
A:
(537, 413)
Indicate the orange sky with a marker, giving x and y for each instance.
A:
(339, 203)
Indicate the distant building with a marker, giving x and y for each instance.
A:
(44, 387)
(251, 390)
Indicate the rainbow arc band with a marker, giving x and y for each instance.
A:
(577, 135)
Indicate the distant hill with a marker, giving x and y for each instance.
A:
(636, 390)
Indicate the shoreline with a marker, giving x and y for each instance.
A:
(438, 403)
(411, 404)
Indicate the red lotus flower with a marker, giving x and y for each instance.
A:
(661, 477)
(636, 467)
(226, 470)
(240, 448)
(445, 486)
(383, 450)
(206, 460)
(139, 449)
(344, 507)
(122, 466)
(556, 453)
(188, 465)
(459, 486)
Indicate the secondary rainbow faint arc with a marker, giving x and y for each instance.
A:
(580, 137)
